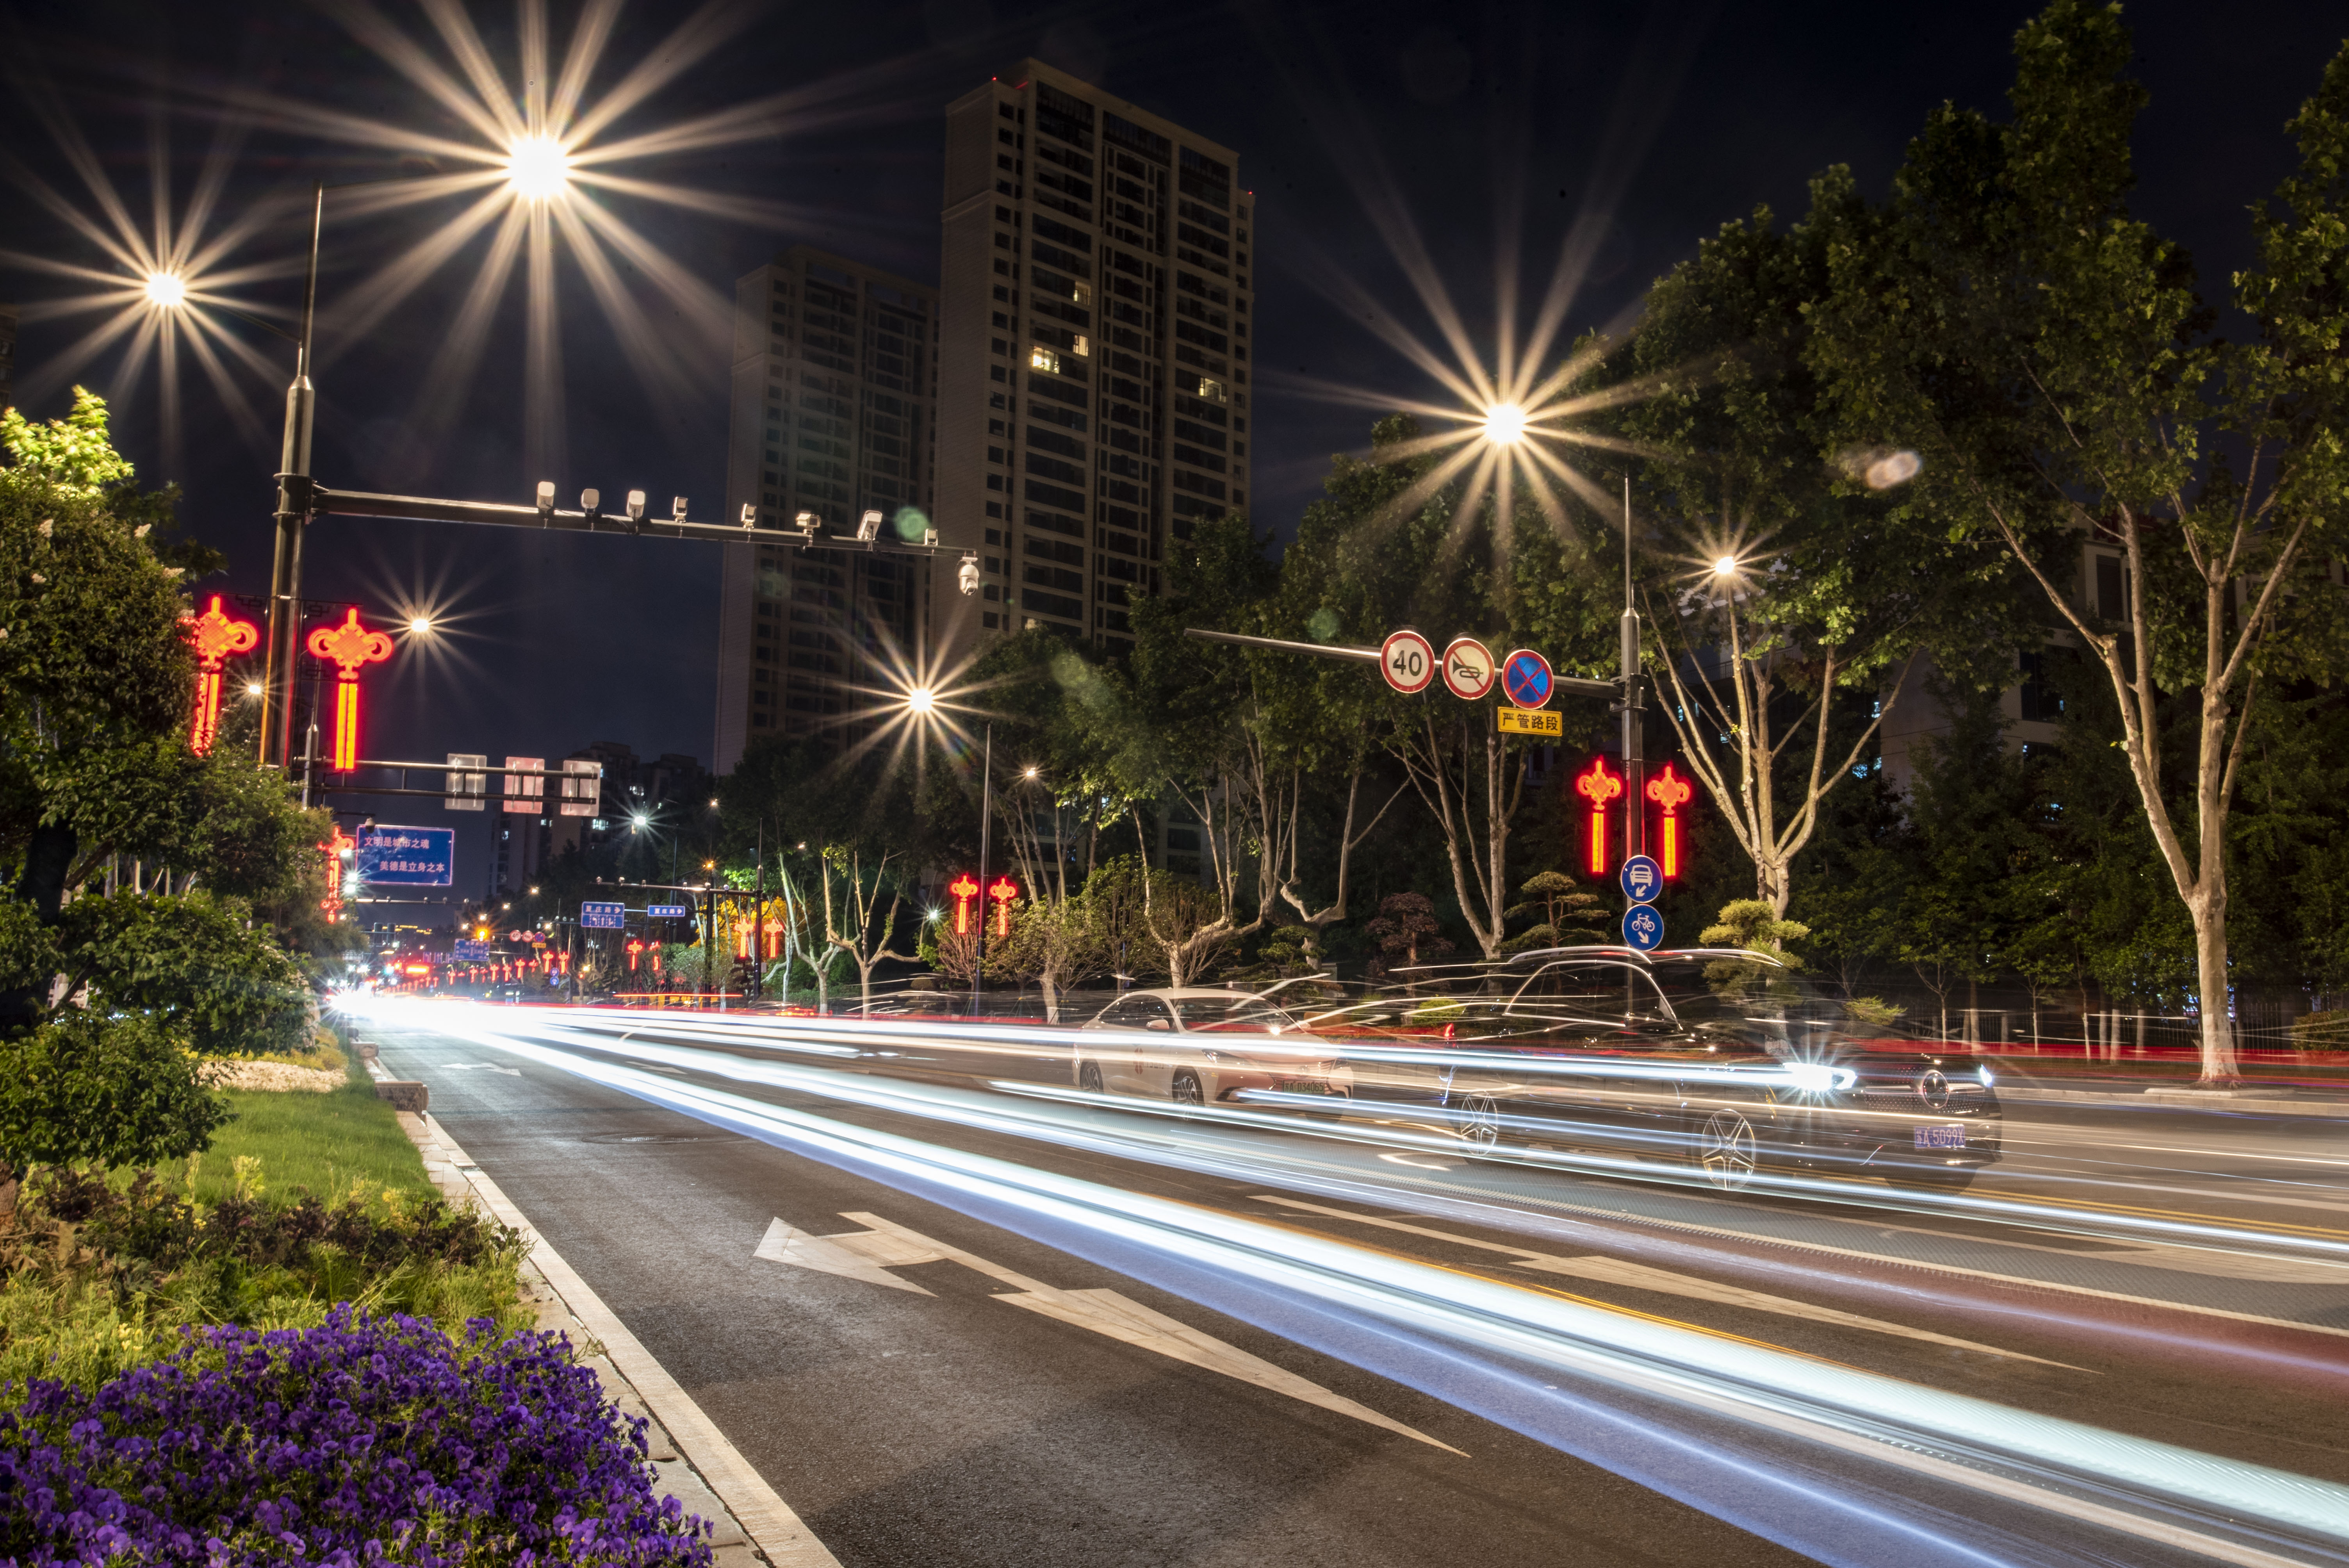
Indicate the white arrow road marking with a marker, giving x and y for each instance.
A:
(833, 1255)
(1641, 1276)
(869, 1255)
(480, 1067)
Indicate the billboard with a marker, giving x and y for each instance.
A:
(408, 857)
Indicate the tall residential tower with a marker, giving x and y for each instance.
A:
(833, 398)
(1093, 373)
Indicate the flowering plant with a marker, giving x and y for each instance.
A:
(366, 1439)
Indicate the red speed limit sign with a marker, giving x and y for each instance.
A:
(1408, 661)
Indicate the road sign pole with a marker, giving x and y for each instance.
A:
(1635, 816)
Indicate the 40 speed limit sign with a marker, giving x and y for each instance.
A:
(1408, 661)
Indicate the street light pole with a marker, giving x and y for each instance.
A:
(986, 817)
(293, 512)
(1635, 816)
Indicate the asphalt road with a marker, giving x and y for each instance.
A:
(932, 1373)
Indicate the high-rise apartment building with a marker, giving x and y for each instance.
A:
(1094, 373)
(832, 399)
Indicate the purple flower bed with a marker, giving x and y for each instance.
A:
(368, 1440)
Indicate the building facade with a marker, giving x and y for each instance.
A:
(1095, 296)
(832, 409)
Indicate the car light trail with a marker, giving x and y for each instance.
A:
(1430, 1316)
(2081, 1216)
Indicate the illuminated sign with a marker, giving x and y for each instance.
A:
(1599, 788)
(964, 888)
(350, 646)
(340, 848)
(1003, 889)
(1672, 793)
(410, 857)
(214, 637)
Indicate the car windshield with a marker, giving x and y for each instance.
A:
(1247, 1013)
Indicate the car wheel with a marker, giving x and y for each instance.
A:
(1089, 1078)
(1726, 1151)
(1186, 1090)
(1479, 1125)
(1926, 1178)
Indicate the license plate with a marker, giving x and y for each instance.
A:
(1303, 1086)
(1940, 1138)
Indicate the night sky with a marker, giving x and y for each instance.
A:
(1657, 123)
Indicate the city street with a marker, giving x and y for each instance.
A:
(932, 1367)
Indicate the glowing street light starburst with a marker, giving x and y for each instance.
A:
(538, 168)
(161, 282)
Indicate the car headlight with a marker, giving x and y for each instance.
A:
(1985, 1075)
(1817, 1077)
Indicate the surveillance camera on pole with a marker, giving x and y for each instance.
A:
(868, 527)
(676, 508)
(807, 521)
(589, 501)
(546, 503)
(966, 576)
(749, 517)
(636, 512)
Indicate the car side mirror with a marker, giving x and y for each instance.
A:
(1158, 1024)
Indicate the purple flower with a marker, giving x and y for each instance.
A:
(364, 1440)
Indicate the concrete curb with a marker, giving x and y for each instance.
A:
(693, 1460)
(2173, 1098)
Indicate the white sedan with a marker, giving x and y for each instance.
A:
(1198, 1047)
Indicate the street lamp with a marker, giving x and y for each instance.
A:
(168, 290)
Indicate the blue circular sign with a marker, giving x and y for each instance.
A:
(1525, 677)
(1642, 879)
(1643, 928)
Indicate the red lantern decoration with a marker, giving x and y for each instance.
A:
(350, 646)
(214, 637)
(1003, 889)
(964, 888)
(337, 846)
(1672, 793)
(1599, 786)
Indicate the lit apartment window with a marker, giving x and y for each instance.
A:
(1082, 292)
(1081, 345)
(1042, 358)
(1213, 391)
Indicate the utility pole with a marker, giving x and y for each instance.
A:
(292, 512)
(1635, 816)
(986, 818)
(758, 923)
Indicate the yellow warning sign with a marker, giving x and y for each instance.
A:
(1528, 721)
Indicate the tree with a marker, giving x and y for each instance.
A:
(1781, 668)
(2045, 353)
(1569, 916)
(106, 985)
(852, 929)
(1406, 923)
(1752, 924)
(1056, 941)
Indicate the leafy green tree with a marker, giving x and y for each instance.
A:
(1780, 669)
(2045, 353)
(1569, 916)
(104, 995)
(1752, 924)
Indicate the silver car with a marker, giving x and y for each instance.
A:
(1196, 1046)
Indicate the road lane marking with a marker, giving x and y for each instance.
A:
(830, 1255)
(772, 1525)
(868, 1255)
(1644, 1276)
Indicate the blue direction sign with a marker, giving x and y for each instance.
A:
(1525, 677)
(471, 952)
(604, 916)
(1642, 879)
(1643, 928)
(668, 912)
(408, 857)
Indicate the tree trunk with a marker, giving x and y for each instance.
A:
(2219, 1067)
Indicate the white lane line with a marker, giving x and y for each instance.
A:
(869, 1253)
(1644, 1276)
(771, 1522)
